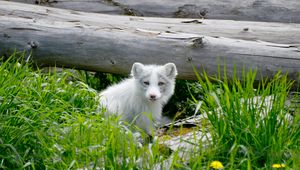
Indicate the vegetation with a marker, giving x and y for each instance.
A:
(52, 121)
(251, 127)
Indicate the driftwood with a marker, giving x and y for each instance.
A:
(112, 43)
(251, 10)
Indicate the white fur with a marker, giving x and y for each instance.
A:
(140, 98)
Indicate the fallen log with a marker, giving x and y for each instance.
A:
(108, 43)
(280, 33)
(249, 10)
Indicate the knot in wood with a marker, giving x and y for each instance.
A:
(246, 29)
(6, 35)
(189, 59)
(113, 62)
(33, 44)
(197, 42)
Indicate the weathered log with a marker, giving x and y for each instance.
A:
(250, 10)
(270, 32)
(112, 43)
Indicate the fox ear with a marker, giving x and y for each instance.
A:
(137, 69)
(171, 70)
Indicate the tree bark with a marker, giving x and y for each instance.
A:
(108, 43)
(247, 10)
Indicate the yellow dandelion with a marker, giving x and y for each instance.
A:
(278, 165)
(216, 165)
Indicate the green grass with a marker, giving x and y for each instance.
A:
(251, 127)
(51, 121)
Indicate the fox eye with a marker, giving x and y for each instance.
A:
(161, 83)
(146, 83)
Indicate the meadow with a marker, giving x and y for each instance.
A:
(51, 120)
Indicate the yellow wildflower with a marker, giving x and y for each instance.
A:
(278, 165)
(216, 165)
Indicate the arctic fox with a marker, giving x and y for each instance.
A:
(140, 98)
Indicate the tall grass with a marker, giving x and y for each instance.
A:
(251, 127)
(33, 107)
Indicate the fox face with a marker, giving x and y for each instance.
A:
(155, 82)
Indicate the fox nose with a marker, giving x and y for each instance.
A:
(152, 96)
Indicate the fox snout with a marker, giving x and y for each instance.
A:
(152, 97)
(153, 94)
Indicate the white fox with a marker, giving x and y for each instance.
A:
(140, 98)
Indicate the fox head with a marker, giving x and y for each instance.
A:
(156, 82)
